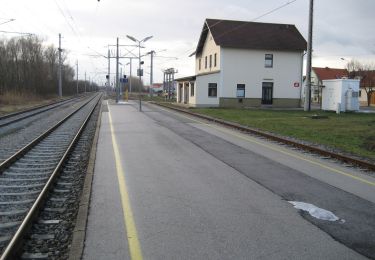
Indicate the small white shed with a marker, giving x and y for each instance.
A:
(340, 95)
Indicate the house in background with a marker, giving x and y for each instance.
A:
(367, 85)
(320, 74)
(157, 88)
(245, 64)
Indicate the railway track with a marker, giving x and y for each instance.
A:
(27, 177)
(18, 130)
(20, 115)
(315, 150)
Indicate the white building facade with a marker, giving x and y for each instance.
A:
(236, 69)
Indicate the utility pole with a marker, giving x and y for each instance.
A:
(172, 83)
(140, 72)
(164, 82)
(85, 81)
(117, 85)
(120, 81)
(130, 75)
(109, 70)
(307, 104)
(140, 76)
(60, 69)
(77, 77)
(151, 71)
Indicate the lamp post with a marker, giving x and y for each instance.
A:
(139, 72)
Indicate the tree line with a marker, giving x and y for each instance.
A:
(28, 66)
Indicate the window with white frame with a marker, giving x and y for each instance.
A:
(268, 63)
(240, 90)
(192, 89)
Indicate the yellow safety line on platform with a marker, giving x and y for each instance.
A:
(131, 230)
(274, 148)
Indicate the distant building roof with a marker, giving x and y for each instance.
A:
(251, 35)
(189, 78)
(157, 85)
(330, 73)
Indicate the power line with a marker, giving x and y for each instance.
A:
(22, 33)
(256, 18)
(66, 19)
(274, 10)
(9, 20)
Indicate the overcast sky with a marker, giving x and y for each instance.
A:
(342, 28)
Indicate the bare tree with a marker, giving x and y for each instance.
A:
(27, 66)
(366, 73)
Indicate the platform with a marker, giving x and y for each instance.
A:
(156, 195)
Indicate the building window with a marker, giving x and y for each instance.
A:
(192, 89)
(360, 93)
(205, 62)
(210, 61)
(240, 90)
(215, 60)
(268, 61)
(212, 89)
(200, 63)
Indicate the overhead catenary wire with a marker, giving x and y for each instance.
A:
(256, 18)
(69, 19)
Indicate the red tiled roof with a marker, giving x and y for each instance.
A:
(330, 73)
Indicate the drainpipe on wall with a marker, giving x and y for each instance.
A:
(301, 86)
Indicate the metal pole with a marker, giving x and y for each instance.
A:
(109, 70)
(164, 81)
(173, 71)
(151, 72)
(169, 84)
(60, 68)
(117, 83)
(120, 81)
(77, 77)
(140, 77)
(307, 105)
(85, 81)
(130, 76)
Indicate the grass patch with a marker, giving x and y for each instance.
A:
(12, 102)
(350, 132)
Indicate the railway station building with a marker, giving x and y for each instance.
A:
(245, 64)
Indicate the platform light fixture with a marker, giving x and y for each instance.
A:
(139, 72)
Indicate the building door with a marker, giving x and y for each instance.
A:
(179, 93)
(186, 93)
(267, 93)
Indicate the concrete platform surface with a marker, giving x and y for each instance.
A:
(184, 197)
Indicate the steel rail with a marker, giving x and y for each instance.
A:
(5, 164)
(340, 157)
(58, 103)
(12, 249)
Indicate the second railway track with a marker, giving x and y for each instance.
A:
(19, 131)
(27, 176)
(18, 116)
(305, 147)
